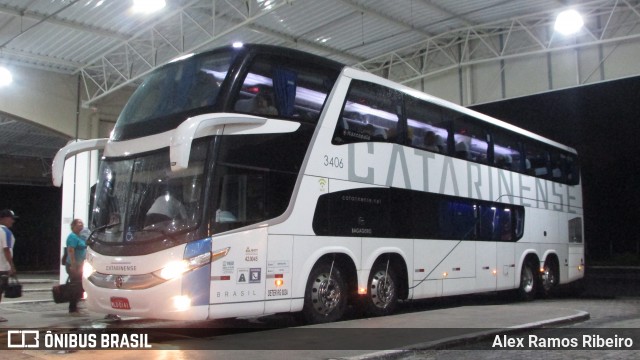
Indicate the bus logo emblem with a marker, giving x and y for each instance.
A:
(119, 281)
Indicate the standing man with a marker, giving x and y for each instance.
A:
(7, 240)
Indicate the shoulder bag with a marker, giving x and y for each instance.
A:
(13, 288)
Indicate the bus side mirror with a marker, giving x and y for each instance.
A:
(69, 150)
(200, 126)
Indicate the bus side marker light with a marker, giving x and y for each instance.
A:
(445, 274)
(362, 291)
(494, 272)
(279, 282)
(219, 254)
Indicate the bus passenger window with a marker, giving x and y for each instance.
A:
(507, 153)
(573, 173)
(371, 113)
(471, 140)
(495, 223)
(426, 126)
(505, 226)
(537, 160)
(564, 167)
(557, 166)
(457, 219)
(275, 86)
(259, 101)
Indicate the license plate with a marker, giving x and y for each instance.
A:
(120, 303)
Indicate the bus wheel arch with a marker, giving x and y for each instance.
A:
(529, 277)
(550, 275)
(327, 289)
(386, 284)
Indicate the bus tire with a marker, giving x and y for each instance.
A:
(548, 277)
(325, 298)
(528, 281)
(382, 290)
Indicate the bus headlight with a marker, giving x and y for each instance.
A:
(87, 270)
(175, 269)
(181, 303)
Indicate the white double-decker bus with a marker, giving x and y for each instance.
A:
(259, 180)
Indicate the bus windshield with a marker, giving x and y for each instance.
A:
(140, 199)
(174, 89)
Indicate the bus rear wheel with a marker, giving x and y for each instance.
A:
(382, 290)
(528, 281)
(548, 278)
(325, 297)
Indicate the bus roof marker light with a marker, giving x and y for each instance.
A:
(568, 22)
(237, 45)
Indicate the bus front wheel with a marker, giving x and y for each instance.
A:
(325, 298)
(382, 290)
(528, 281)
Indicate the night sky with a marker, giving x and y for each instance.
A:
(600, 121)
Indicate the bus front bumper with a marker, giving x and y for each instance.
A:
(162, 301)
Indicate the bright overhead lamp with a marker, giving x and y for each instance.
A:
(148, 6)
(5, 76)
(568, 22)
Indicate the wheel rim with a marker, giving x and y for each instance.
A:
(548, 278)
(382, 289)
(527, 279)
(325, 294)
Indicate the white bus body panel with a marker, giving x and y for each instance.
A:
(238, 279)
(575, 262)
(485, 266)
(279, 268)
(506, 274)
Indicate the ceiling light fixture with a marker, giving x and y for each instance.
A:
(5, 76)
(569, 22)
(148, 6)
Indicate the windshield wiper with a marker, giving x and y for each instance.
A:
(99, 228)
